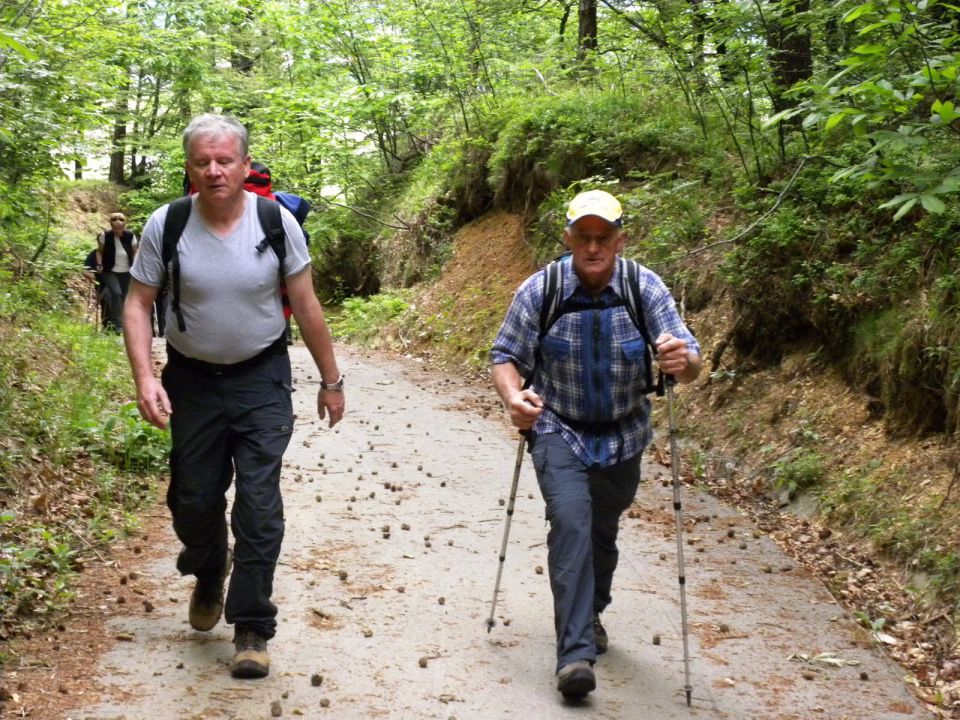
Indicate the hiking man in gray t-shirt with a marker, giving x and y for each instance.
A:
(227, 383)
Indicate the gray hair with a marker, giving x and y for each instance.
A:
(216, 125)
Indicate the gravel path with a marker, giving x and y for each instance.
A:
(394, 522)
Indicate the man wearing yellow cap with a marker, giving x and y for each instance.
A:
(585, 412)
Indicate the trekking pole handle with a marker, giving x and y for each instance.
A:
(663, 381)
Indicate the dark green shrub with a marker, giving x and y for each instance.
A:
(555, 141)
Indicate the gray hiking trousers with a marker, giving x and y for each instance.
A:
(583, 508)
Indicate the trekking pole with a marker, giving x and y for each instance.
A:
(88, 313)
(93, 304)
(678, 508)
(506, 531)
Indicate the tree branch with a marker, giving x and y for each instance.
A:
(755, 223)
(352, 209)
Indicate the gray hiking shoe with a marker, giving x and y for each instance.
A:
(251, 660)
(206, 601)
(600, 635)
(576, 680)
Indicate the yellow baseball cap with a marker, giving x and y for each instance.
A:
(595, 202)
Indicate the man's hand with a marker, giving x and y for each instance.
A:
(674, 358)
(332, 402)
(524, 406)
(153, 403)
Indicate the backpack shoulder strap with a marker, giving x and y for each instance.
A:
(549, 309)
(178, 213)
(632, 296)
(552, 295)
(268, 212)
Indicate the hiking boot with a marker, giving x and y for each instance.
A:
(251, 660)
(576, 680)
(206, 601)
(600, 635)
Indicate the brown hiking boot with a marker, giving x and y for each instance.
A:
(251, 660)
(600, 635)
(206, 601)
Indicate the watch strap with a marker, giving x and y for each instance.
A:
(338, 385)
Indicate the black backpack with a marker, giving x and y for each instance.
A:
(553, 309)
(268, 211)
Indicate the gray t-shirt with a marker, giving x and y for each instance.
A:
(229, 291)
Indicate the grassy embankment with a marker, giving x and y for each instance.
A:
(77, 463)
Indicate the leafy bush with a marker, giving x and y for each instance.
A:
(346, 260)
(798, 472)
(555, 141)
(362, 318)
(125, 441)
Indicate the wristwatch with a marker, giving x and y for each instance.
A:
(334, 386)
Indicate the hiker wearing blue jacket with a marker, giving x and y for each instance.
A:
(586, 352)
(226, 387)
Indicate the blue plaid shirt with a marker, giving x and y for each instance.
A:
(593, 363)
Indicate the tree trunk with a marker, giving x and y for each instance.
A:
(791, 60)
(119, 144)
(563, 21)
(118, 154)
(586, 29)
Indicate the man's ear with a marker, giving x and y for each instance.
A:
(566, 238)
(621, 241)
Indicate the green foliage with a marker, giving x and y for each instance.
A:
(798, 471)
(63, 422)
(36, 568)
(72, 397)
(556, 141)
(363, 318)
(346, 260)
(125, 441)
(772, 277)
(918, 533)
(896, 89)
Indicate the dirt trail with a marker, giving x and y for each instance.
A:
(393, 530)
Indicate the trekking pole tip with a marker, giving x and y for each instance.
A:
(490, 622)
(689, 695)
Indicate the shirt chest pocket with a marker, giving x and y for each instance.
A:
(555, 349)
(630, 364)
(634, 351)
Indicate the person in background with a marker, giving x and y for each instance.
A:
(585, 413)
(226, 388)
(116, 250)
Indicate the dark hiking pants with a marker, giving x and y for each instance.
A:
(224, 425)
(583, 507)
(115, 286)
